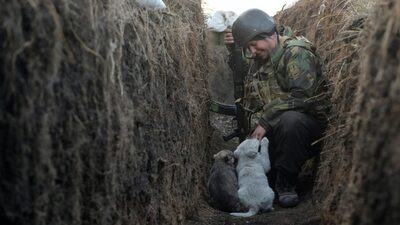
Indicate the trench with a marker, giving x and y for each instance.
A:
(100, 125)
(303, 214)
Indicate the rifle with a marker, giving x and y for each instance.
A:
(235, 110)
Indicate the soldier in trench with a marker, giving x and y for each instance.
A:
(284, 96)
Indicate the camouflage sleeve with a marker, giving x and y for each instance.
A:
(298, 79)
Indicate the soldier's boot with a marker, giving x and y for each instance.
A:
(285, 186)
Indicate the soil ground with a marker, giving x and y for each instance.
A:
(303, 214)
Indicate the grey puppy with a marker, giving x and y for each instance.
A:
(223, 184)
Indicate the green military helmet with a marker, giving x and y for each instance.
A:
(251, 23)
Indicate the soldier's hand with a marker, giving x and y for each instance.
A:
(258, 133)
(228, 37)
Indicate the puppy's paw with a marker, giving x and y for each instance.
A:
(264, 142)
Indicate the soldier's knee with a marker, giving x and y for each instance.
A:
(291, 121)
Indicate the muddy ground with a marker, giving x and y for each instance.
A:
(303, 214)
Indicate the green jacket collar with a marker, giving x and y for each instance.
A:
(279, 50)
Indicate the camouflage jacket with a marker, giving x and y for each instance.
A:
(291, 80)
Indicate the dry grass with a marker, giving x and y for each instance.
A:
(102, 110)
(362, 7)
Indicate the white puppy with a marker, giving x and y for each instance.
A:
(254, 191)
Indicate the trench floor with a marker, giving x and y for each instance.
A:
(303, 214)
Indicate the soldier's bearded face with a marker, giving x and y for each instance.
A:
(261, 48)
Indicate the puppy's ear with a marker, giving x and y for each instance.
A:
(264, 141)
(215, 156)
(236, 153)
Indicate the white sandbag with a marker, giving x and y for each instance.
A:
(221, 20)
(154, 4)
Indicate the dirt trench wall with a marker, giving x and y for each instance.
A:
(102, 115)
(372, 195)
(357, 167)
